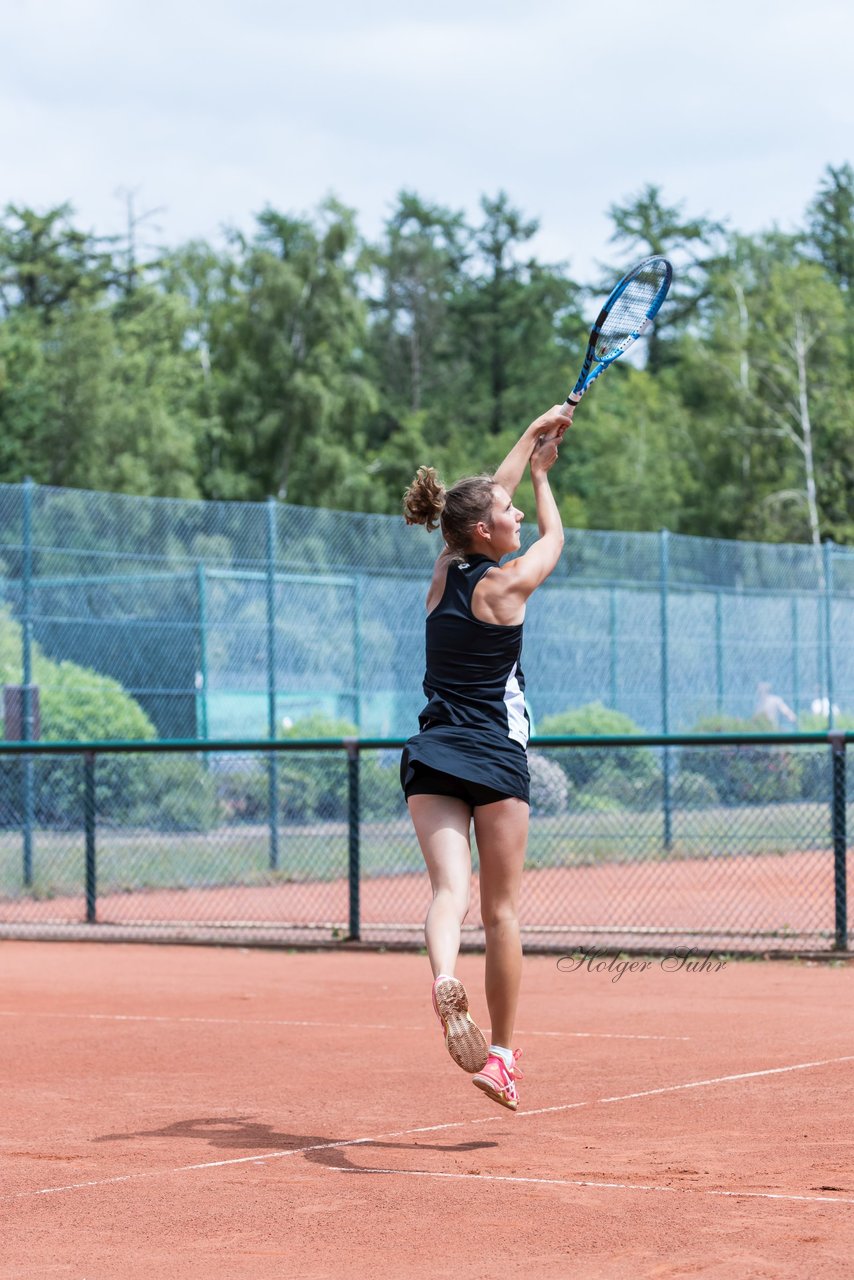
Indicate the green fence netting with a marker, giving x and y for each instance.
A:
(227, 619)
(159, 619)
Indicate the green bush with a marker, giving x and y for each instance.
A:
(243, 790)
(180, 795)
(592, 801)
(380, 790)
(590, 766)
(693, 791)
(816, 777)
(640, 794)
(79, 705)
(76, 705)
(10, 647)
(810, 722)
(315, 784)
(311, 786)
(748, 774)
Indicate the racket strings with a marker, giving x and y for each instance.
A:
(630, 310)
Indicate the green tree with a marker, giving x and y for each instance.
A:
(801, 399)
(415, 272)
(730, 466)
(207, 281)
(418, 264)
(110, 399)
(26, 397)
(765, 381)
(511, 321)
(830, 222)
(99, 386)
(646, 226)
(46, 262)
(830, 231)
(288, 353)
(158, 412)
(627, 459)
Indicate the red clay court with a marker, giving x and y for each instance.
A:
(204, 1112)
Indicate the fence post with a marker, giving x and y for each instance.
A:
(796, 684)
(358, 655)
(838, 802)
(272, 760)
(27, 678)
(89, 825)
(353, 830)
(202, 678)
(828, 630)
(664, 575)
(612, 629)
(719, 652)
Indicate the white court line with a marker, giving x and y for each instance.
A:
(293, 1022)
(432, 1128)
(608, 1186)
(693, 1084)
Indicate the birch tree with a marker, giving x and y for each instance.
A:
(798, 357)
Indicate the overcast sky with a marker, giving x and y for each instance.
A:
(213, 110)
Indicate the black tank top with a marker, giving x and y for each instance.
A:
(473, 675)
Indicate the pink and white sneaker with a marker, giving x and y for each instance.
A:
(464, 1039)
(498, 1081)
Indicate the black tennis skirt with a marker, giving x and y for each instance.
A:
(476, 755)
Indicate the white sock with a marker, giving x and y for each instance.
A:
(506, 1055)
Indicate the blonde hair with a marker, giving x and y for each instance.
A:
(457, 510)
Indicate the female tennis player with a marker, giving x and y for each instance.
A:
(469, 759)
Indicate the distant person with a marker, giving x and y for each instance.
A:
(469, 761)
(771, 706)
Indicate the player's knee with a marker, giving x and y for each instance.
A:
(499, 913)
(457, 895)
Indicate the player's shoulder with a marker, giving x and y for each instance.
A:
(503, 577)
(524, 573)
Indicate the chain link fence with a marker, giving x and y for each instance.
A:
(241, 620)
(732, 842)
(214, 640)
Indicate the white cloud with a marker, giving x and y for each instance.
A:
(216, 109)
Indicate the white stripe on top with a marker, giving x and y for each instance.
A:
(514, 701)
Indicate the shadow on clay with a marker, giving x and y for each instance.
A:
(238, 1133)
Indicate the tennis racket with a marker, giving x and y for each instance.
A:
(630, 309)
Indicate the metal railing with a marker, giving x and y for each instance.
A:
(636, 842)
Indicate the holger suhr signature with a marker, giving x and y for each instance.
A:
(679, 960)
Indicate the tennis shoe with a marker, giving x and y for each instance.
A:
(464, 1039)
(498, 1081)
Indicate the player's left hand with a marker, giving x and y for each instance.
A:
(553, 421)
(566, 412)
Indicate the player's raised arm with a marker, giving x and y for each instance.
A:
(552, 423)
(502, 595)
(539, 560)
